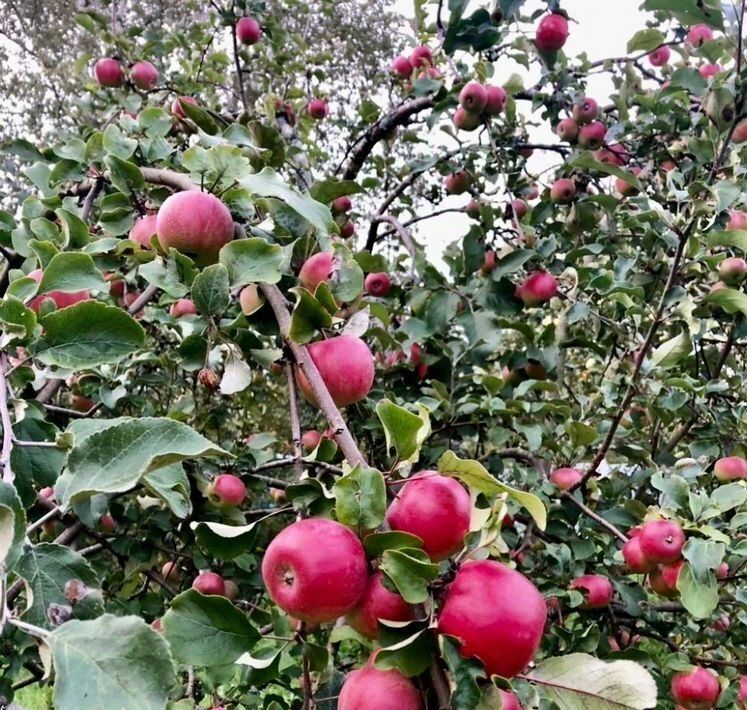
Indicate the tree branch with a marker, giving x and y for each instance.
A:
(7, 448)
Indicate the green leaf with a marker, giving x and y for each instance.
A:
(730, 238)
(325, 191)
(586, 161)
(16, 318)
(269, 184)
(111, 456)
(70, 272)
(117, 144)
(201, 117)
(88, 334)
(226, 542)
(581, 682)
(347, 283)
(207, 630)
(376, 543)
(698, 596)
(12, 525)
(74, 229)
(361, 498)
(410, 570)
(309, 316)
(475, 476)
(404, 431)
(125, 176)
(465, 671)
(729, 300)
(690, 80)
(690, 12)
(671, 352)
(48, 570)
(253, 260)
(115, 662)
(581, 434)
(645, 40)
(211, 290)
(171, 485)
(410, 655)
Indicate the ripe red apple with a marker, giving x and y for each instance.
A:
(310, 439)
(473, 97)
(698, 35)
(537, 288)
(436, 508)
(116, 284)
(566, 478)
(662, 541)
(341, 204)
(585, 110)
(634, 558)
(209, 583)
(315, 570)
(737, 220)
(732, 270)
(563, 191)
(663, 580)
(509, 701)
(466, 121)
(722, 624)
(473, 208)
(248, 30)
(195, 223)
(421, 57)
(591, 136)
(625, 188)
(107, 523)
(457, 183)
(176, 105)
(609, 155)
(319, 268)
(170, 572)
(80, 403)
(708, 70)
(730, 468)
(143, 229)
(346, 366)
(659, 56)
(227, 490)
(318, 109)
(742, 695)
(505, 635)
(552, 33)
(60, 298)
(496, 100)
(377, 603)
(740, 133)
(47, 493)
(183, 307)
(489, 263)
(519, 208)
(722, 570)
(347, 230)
(144, 75)
(249, 299)
(402, 67)
(108, 72)
(368, 688)
(378, 284)
(567, 130)
(697, 689)
(598, 590)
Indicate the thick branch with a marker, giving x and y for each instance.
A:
(402, 233)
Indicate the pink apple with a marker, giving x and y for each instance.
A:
(142, 231)
(737, 220)
(567, 130)
(108, 72)
(318, 109)
(421, 57)
(378, 284)
(505, 635)
(537, 288)
(489, 263)
(596, 588)
(699, 35)
(341, 204)
(170, 572)
(319, 268)
(144, 75)
(473, 97)
(496, 100)
(310, 440)
(347, 230)
(552, 33)
(730, 468)
(457, 183)
(176, 105)
(315, 570)
(585, 110)
(634, 558)
(402, 67)
(742, 694)
(183, 307)
(195, 223)
(466, 121)
(248, 30)
(369, 688)
(659, 56)
(624, 187)
(519, 208)
(740, 133)
(708, 70)
(227, 490)
(732, 270)
(436, 509)
(249, 299)
(209, 583)
(61, 299)
(509, 701)
(663, 580)
(377, 603)
(566, 478)
(662, 541)
(697, 689)
(591, 136)
(563, 191)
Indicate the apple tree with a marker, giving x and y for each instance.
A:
(265, 445)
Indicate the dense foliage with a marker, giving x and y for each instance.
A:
(224, 349)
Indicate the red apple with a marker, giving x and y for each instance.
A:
(144, 75)
(248, 30)
(489, 263)
(509, 701)
(519, 208)
(341, 204)
(659, 56)
(740, 133)
(732, 270)
(227, 490)
(368, 688)
(176, 105)
(634, 558)
(663, 580)
(315, 570)
(662, 541)
(466, 121)
(737, 220)
(108, 72)
(552, 33)
(183, 307)
(402, 67)
(347, 230)
(116, 284)
(47, 493)
(378, 284)
(567, 130)
(598, 590)
(319, 268)
(473, 97)
(61, 298)
(585, 110)
(318, 109)
(698, 35)
(377, 603)
(209, 583)
(249, 299)
(566, 478)
(107, 523)
(170, 572)
(697, 689)
(505, 635)
(731, 468)
(81, 404)
(436, 508)
(624, 187)
(421, 57)
(142, 231)
(537, 288)
(310, 440)
(196, 224)
(563, 191)
(473, 208)
(742, 695)
(496, 100)
(708, 70)
(591, 136)
(457, 183)
(722, 571)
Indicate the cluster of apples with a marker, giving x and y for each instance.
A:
(319, 584)
(420, 60)
(477, 102)
(110, 73)
(583, 126)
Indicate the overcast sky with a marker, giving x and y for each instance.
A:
(601, 28)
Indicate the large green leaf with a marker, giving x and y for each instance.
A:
(225, 542)
(111, 662)
(171, 485)
(253, 260)
(410, 570)
(210, 290)
(690, 12)
(645, 40)
(309, 315)
(586, 161)
(88, 334)
(581, 682)
(207, 630)
(70, 272)
(327, 190)
(404, 430)
(671, 352)
(475, 476)
(361, 498)
(728, 299)
(12, 525)
(112, 455)
(729, 238)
